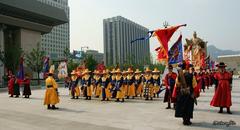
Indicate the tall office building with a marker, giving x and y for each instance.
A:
(58, 40)
(118, 32)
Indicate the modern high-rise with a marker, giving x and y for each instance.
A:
(58, 40)
(118, 32)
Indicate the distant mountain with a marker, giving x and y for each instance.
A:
(215, 52)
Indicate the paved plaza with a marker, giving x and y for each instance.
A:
(134, 114)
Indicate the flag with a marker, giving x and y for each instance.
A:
(45, 66)
(62, 70)
(150, 33)
(162, 55)
(175, 54)
(165, 34)
(21, 70)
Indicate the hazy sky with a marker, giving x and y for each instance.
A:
(216, 21)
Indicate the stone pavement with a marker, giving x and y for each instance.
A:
(30, 114)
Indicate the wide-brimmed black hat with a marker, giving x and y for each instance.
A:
(221, 64)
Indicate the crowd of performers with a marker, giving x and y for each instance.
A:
(181, 89)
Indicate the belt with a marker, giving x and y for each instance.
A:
(49, 86)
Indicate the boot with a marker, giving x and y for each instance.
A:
(127, 97)
(49, 107)
(89, 97)
(123, 100)
(54, 108)
(77, 97)
(228, 110)
(221, 110)
(117, 100)
(169, 106)
(73, 97)
(11, 96)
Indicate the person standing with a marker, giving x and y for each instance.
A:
(75, 90)
(119, 86)
(51, 94)
(148, 84)
(104, 85)
(185, 84)
(138, 83)
(11, 85)
(169, 79)
(16, 87)
(222, 96)
(130, 84)
(26, 85)
(86, 84)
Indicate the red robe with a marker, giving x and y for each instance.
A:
(206, 79)
(197, 89)
(170, 77)
(10, 86)
(222, 96)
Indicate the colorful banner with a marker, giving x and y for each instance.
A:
(175, 54)
(62, 70)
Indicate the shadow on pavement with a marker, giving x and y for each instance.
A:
(70, 110)
(215, 126)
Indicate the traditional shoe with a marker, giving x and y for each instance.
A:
(168, 107)
(229, 112)
(54, 108)
(220, 111)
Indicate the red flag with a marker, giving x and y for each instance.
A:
(165, 34)
(162, 54)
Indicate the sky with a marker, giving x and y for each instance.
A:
(215, 21)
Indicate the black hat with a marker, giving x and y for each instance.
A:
(221, 64)
(170, 67)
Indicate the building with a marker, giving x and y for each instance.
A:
(96, 55)
(118, 32)
(22, 22)
(232, 61)
(56, 42)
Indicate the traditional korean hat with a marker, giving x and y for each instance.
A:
(170, 67)
(221, 65)
(86, 71)
(147, 70)
(73, 72)
(96, 72)
(104, 72)
(124, 72)
(156, 70)
(137, 71)
(118, 71)
(113, 71)
(129, 70)
(107, 71)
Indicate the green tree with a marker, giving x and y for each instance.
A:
(34, 60)
(10, 57)
(91, 63)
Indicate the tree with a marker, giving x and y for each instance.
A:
(10, 57)
(91, 63)
(34, 60)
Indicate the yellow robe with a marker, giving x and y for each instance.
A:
(121, 93)
(151, 88)
(139, 90)
(89, 88)
(156, 88)
(77, 89)
(130, 88)
(98, 88)
(51, 95)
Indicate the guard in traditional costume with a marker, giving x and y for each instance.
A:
(156, 82)
(130, 84)
(51, 94)
(86, 84)
(185, 84)
(11, 85)
(222, 96)
(104, 85)
(109, 86)
(125, 80)
(16, 87)
(169, 80)
(75, 89)
(97, 83)
(113, 82)
(138, 83)
(26, 85)
(148, 84)
(119, 86)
